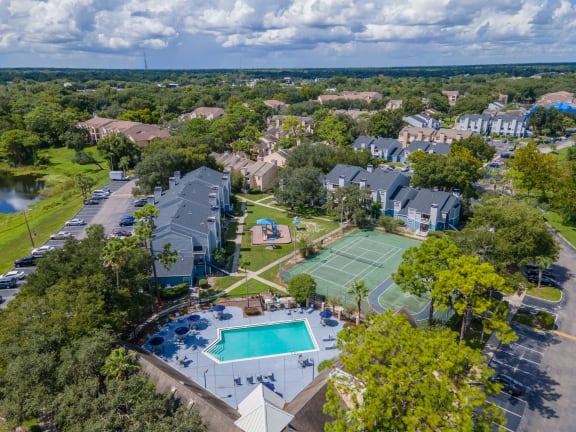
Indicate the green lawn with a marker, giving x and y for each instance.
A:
(272, 275)
(259, 256)
(546, 293)
(255, 196)
(568, 232)
(61, 201)
(254, 287)
(221, 283)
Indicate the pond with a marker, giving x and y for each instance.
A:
(18, 192)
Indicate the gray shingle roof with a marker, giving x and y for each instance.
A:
(362, 141)
(423, 199)
(348, 171)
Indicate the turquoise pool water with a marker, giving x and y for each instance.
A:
(261, 340)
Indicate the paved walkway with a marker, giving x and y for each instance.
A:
(256, 274)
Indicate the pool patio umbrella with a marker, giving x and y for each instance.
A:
(264, 222)
(325, 314)
(156, 343)
(181, 331)
(218, 308)
(193, 320)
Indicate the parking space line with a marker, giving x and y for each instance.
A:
(515, 368)
(521, 357)
(528, 348)
(566, 335)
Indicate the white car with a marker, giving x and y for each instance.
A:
(38, 252)
(14, 274)
(75, 222)
(61, 235)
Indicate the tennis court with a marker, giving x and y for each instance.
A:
(370, 256)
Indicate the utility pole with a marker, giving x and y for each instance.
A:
(28, 227)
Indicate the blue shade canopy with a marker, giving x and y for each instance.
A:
(325, 314)
(296, 220)
(264, 222)
(181, 331)
(218, 308)
(193, 318)
(156, 340)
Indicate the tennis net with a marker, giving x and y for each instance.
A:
(357, 258)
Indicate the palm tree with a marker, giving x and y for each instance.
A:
(119, 365)
(144, 231)
(115, 255)
(124, 164)
(543, 262)
(360, 291)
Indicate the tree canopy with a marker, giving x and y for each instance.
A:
(402, 378)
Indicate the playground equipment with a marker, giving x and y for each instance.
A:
(271, 233)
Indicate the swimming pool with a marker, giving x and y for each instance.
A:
(261, 340)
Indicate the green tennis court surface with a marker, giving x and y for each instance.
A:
(370, 256)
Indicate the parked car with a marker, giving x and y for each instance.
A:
(75, 222)
(8, 282)
(534, 272)
(140, 202)
(91, 201)
(127, 221)
(40, 251)
(120, 233)
(14, 274)
(533, 269)
(27, 261)
(509, 384)
(61, 235)
(546, 281)
(101, 192)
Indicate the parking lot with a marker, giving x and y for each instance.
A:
(108, 213)
(522, 360)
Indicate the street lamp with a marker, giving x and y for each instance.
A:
(295, 223)
(205, 372)
(342, 211)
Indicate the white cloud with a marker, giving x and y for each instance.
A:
(258, 27)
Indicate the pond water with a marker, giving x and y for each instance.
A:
(18, 192)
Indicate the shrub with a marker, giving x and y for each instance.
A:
(203, 283)
(389, 224)
(251, 311)
(174, 292)
(209, 293)
(545, 320)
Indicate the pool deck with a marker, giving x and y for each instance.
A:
(289, 377)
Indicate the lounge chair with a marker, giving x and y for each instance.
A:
(330, 338)
(271, 376)
(238, 381)
(330, 346)
(250, 379)
(310, 309)
(259, 378)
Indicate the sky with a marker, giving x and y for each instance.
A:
(200, 34)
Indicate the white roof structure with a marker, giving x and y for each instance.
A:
(262, 411)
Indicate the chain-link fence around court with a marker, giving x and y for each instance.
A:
(362, 255)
